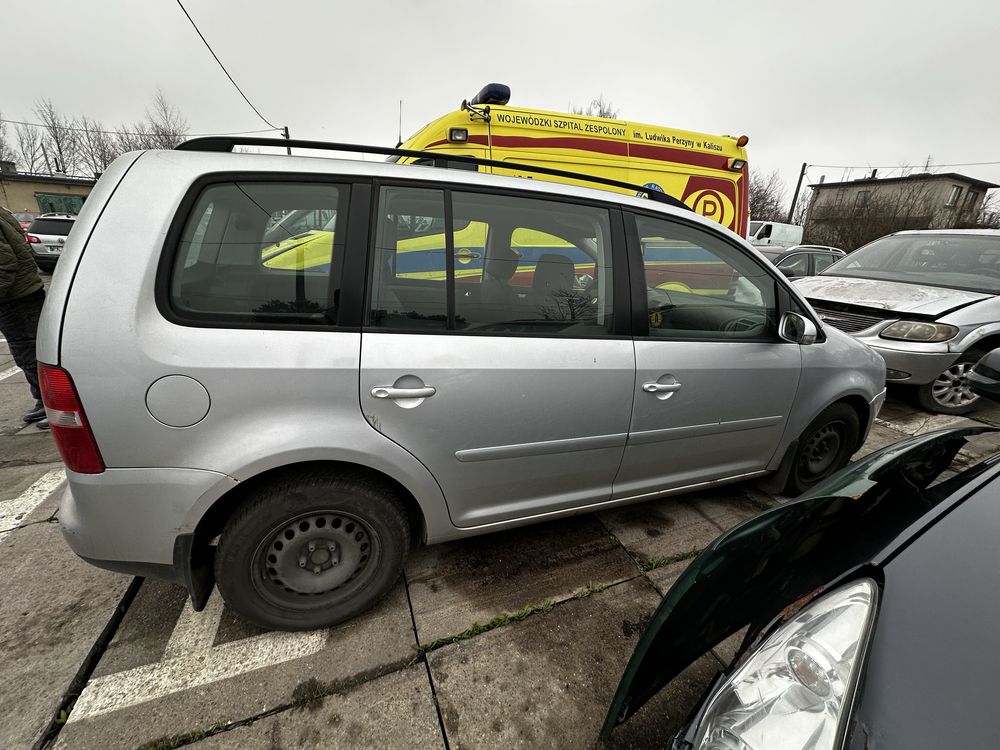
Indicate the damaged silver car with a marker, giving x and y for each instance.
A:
(927, 301)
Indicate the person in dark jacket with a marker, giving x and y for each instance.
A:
(21, 298)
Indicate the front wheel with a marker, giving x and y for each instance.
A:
(950, 392)
(311, 551)
(825, 446)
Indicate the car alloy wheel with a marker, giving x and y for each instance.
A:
(951, 388)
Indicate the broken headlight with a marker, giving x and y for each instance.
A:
(796, 690)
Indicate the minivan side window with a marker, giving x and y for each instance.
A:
(508, 264)
(699, 286)
(261, 252)
(824, 261)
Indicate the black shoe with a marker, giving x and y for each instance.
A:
(36, 414)
(43, 425)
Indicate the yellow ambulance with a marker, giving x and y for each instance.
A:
(706, 172)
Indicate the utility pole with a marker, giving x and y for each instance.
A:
(284, 134)
(795, 196)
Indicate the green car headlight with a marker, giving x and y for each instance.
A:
(915, 330)
(796, 690)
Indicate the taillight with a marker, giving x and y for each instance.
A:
(33, 239)
(69, 424)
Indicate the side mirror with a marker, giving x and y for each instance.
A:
(797, 329)
(789, 273)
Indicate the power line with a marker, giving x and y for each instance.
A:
(209, 46)
(897, 166)
(125, 132)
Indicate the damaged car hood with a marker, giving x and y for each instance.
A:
(772, 565)
(894, 296)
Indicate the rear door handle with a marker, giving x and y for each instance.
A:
(661, 387)
(388, 391)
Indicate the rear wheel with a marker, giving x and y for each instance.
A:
(825, 447)
(312, 551)
(950, 392)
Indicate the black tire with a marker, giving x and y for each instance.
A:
(949, 393)
(825, 447)
(312, 550)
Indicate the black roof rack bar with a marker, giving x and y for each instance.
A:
(228, 143)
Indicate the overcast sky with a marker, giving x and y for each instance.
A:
(844, 83)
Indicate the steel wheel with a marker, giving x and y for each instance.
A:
(312, 549)
(825, 446)
(321, 556)
(822, 448)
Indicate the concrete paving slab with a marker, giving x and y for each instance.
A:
(728, 507)
(55, 607)
(663, 578)
(15, 400)
(187, 681)
(881, 435)
(395, 711)
(548, 681)
(14, 480)
(454, 586)
(30, 447)
(29, 494)
(920, 422)
(663, 529)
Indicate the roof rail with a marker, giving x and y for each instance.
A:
(228, 143)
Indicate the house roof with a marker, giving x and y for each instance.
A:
(49, 178)
(921, 177)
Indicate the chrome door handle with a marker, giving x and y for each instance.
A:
(661, 387)
(388, 391)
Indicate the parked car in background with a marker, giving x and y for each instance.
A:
(25, 218)
(773, 234)
(46, 236)
(321, 362)
(802, 260)
(928, 301)
(862, 600)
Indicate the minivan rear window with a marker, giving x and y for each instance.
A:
(261, 252)
(51, 226)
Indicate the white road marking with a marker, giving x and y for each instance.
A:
(195, 632)
(10, 371)
(191, 661)
(12, 511)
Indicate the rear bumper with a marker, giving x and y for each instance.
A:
(138, 521)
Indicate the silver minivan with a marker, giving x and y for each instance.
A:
(278, 373)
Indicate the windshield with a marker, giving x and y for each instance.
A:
(969, 262)
(754, 226)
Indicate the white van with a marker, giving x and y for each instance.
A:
(773, 233)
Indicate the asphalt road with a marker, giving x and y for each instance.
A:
(512, 640)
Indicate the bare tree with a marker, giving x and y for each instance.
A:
(84, 145)
(7, 152)
(874, 213)
(60, 141)
(767, 197)
(166, 126)
(97, 145)
(132, 137)
(599, 107)
(29, 147)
